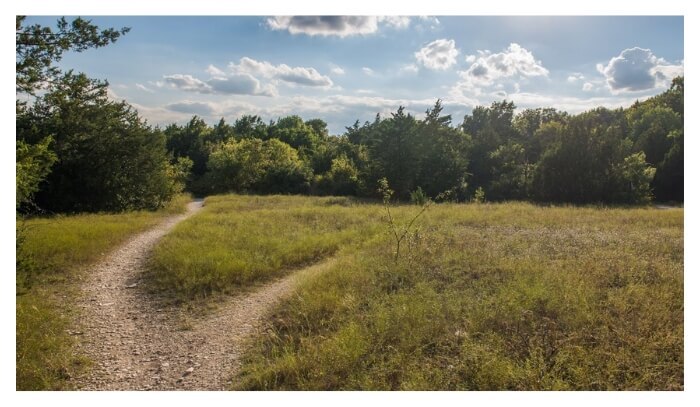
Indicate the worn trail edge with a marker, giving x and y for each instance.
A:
(137, 346)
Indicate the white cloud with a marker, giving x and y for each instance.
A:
(215, 72)
(488, 70)
(341, 110)
(234, 84)
(587, 87)
(488, 67)
(240, 84)
(396, 22)
(367, 71)
(198, 108)
(187, 82)
(143, 88)
(336, 70)
(409, 68)
(242, 79)
(294, 75)
(430, 19)
(575, 77)
(568, 103)
(438, 55)
(470, 59)
(113, 95)
(341, 26)
(160, 115)
(637, 69)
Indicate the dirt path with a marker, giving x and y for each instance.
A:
(137, 346)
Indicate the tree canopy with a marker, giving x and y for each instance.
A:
(78, 150)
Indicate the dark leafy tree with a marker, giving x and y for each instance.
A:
(250, 127)
(511, 173)
(394, 150)
(656, 127)
(319, 127)
(650, 129)
(38, 48)
(108, 159)
(489, 128)
(668, 183)
(190, 141)
(364, 134)
(220, 133)
(443, 155)
(592, 161)
(528, 122)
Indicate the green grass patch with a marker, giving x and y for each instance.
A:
(58, 244)
(45, 359)
(237, 240)
(50, 255)
(490, 297)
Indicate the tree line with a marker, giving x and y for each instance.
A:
(78, 150)
(617, 156)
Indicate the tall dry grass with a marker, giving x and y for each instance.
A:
(491, 297)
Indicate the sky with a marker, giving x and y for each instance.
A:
(347, 68)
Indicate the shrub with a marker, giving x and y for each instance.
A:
(341, 179)
(418, 197)
(254, 165)
(479, 196)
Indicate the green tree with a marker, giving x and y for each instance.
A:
(33, 164)
(443, 154)
(650, 128)
(528, 122)
(108, 159)
(220, 132)
(668, 182)
(394, 151)
(293, 131)
(250, 126)
(341, 179)
(362, 135)
(592, 160)
(254, 165)
(657, 129)
(489, 128)
(511, 173)
(319, 127)
(190, 141)
(634, 176)
(38, 48)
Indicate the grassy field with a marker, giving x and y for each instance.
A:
(239, 240)
(487, 297)
(482, 297)
(52, 252)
